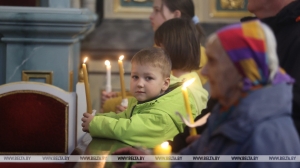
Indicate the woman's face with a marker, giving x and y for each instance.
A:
(220, 71)
(160, 14)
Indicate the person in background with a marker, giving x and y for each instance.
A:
(253, 113)
(149, 119)
(163, 10)
(173, 36)
(283, 16)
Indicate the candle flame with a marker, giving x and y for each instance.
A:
(121, 57)
(189, 82)
(85, 59)
(107, 63)
(164, 144)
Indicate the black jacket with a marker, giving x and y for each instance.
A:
(286, 28)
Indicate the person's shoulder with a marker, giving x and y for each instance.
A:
(174, 80)
(131, 100)
(171, 95)
(278, 133)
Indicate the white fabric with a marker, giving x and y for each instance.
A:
(272, 58)
(195, 19)
(197, 123)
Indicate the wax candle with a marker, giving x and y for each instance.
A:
(163, 149)
(87, 88)
(121, 70)
(187, 104)
(108, 76)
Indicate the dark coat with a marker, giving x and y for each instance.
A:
(287, 33)
(286, 28)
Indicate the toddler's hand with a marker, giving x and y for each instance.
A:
(128, 151)
(107, 95)
(190, 139)
(86, 119)
(133, 151)
(120, 108)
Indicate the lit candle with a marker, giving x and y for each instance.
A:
(163, 149)
(121, 70)
(87, 88)
(187, 104)
(108, 76)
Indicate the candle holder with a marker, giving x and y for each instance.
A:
(124, 102)
(163, 149)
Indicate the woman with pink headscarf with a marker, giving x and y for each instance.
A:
(253, 114)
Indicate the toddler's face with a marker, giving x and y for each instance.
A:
(147, 82)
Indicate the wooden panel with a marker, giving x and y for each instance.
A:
(33, 123)
(19, 2)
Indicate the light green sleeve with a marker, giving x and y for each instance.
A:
(146, 129)
(113, 114)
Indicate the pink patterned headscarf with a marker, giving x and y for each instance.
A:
(251, 46)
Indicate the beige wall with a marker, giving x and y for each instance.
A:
(203, 11)
(98, 81)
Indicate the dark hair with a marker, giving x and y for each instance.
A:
(178, 37)
(187, 9)
(155, 57)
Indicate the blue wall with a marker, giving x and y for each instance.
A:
(2, 63)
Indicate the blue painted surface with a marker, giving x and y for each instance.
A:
(43, 80)
(76, 63)
(25, 57)
(55, 3)
(42, 39)
(2, 63)
(133, 3)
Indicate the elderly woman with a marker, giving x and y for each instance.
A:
(253, 114)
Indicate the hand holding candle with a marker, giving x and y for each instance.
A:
(187, 104)
(108, 76)
(121, 70)
(87, 88)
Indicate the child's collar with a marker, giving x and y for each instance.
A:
(171, 87)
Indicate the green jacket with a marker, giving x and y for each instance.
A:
(147, 124)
